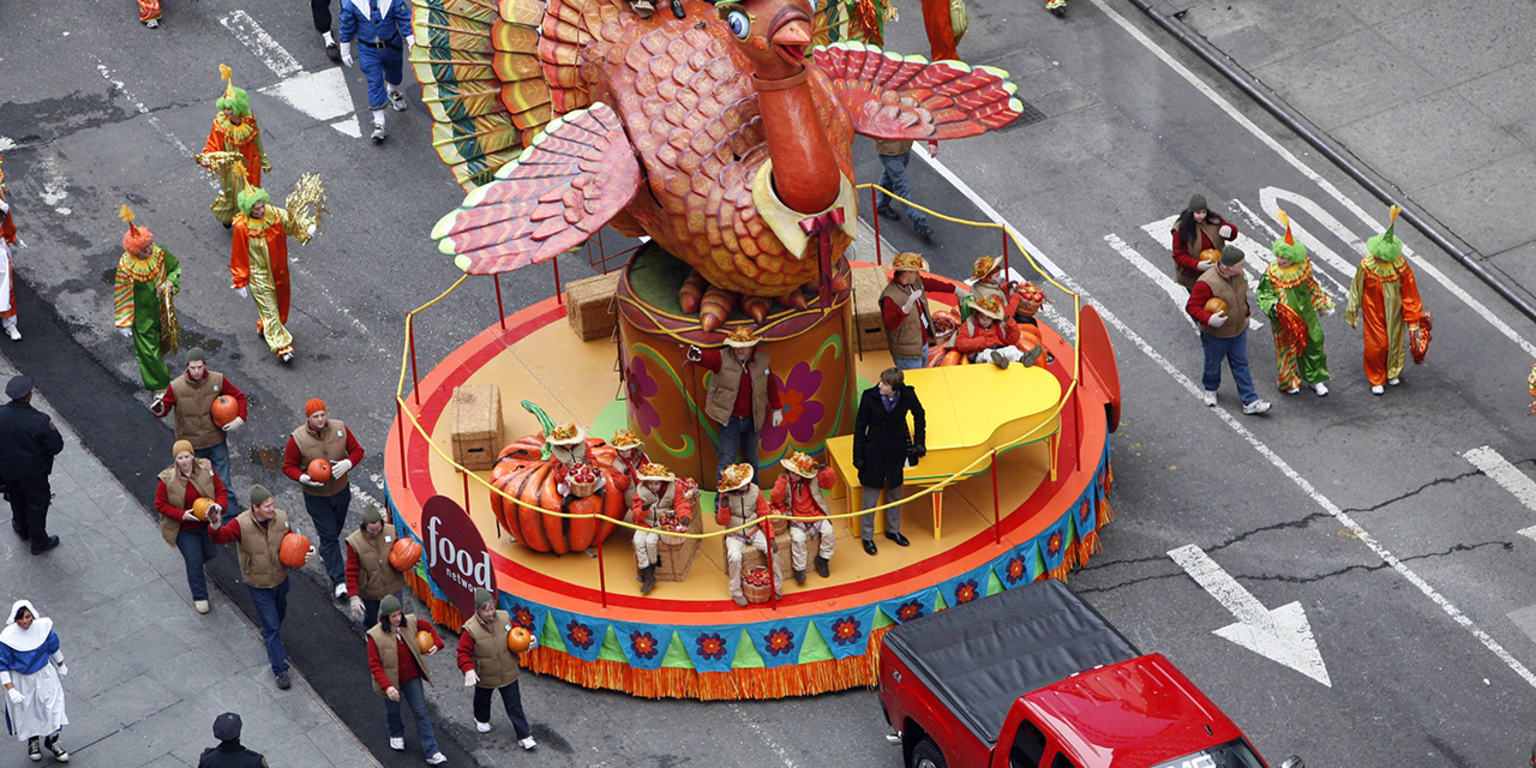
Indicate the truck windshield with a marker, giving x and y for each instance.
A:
(1233, 754)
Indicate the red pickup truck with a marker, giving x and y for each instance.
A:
(1034, 677)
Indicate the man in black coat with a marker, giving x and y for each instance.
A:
(28, 443)
(882, 445)
(229, 753)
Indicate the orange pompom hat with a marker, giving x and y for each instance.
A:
(136, 237)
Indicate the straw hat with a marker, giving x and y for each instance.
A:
(910, 262)
(624, 440)
(735, 476)
(985, 265)
(655, 472)
(567, 434)
(800, 463)
(741, 337)
(991, 306)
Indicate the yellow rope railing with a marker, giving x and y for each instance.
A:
(961, 474)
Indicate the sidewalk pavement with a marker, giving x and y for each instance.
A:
(1437, 99)
(147, 674)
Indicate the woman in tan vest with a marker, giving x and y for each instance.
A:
(1197, 230)
(181, 484)
(397, 668)
(489, 665)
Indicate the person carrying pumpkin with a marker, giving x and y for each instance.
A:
(1199, 235)
(1385, 296)
(904, 310)
(258, 264)
(992, 335)
(1219, 303)
(630, 459)
(741, 398)
(396, 669)
(793, 494)
(260, 531)
(326, 499)
(190, 396)
(142, 309)
(737, 503)
(370, 577)
(489, 665)
(1289, 294)
(233, 150)
(182, 524)
(658, 496)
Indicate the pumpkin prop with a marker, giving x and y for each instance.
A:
(404, 554)
(1210, 255)
(319, 471)
(524, 471)
(424, 641)
(200, 508)
(519, 639)
(293, 550)
(1214, 305)
(224, 410)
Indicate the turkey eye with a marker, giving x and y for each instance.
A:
(740, 25)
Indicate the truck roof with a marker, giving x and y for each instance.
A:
(979, 657)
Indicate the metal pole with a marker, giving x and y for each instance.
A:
(997, 534)
(501, 312)
(874, 198)
(559, 297)
(602, 576)
(1204, 51)
(405, 471)
(415, 383)
(1006, 270)
(465, 475)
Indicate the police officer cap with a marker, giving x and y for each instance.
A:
(226, 727)
(18, 387)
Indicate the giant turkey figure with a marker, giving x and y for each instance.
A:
(712, 134)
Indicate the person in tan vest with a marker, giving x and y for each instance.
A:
(369, 575)
(741, 396)
(741, 501)
(894, 156)
(395, 663)
(904, 310)
(795, 493)
(489, 665)
(259, 531)
(321, 437)
(660, 494)
(1197, 230)
(189, 398)
(1224, 333)
(184, 482)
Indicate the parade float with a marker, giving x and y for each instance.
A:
(723, 141)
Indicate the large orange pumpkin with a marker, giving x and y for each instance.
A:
(522, 473)
(319, 470)
(224, 410)
(200, 508)
(404, 554)
(424, 641)
(519, 639)
(293, 549)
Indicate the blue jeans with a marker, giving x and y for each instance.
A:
(379, 66)
(737, 437)
(330, 515)
(218, 456)
(411, 693)
(909, 363)
(196, 548)
(271, 606)
(895, 179)
(1235, 350)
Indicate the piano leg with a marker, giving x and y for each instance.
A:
(1055, 446)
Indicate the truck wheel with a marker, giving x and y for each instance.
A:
(927, 755)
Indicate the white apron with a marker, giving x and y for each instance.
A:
(41, 711)
(5, 277)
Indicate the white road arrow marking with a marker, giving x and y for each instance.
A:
(1519, 484)
(1282, 635)
(322, 95)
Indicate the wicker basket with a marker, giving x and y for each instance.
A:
(754, 593)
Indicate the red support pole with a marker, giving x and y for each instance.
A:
(559, 297)
(415, 383)
(1005, 250)
(405, 471)
(602, 252)
(501, 312)
(874, 198)
(466, 492)
(997, 534)
(602, 575)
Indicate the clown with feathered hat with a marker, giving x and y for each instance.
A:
(233, 139)
(1385, 296)
(258, 259)
(147, 277)
(1288, 292)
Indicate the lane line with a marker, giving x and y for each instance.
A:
(1489, 462)
(1175, 291)
(154, 121)
(1285, 154)
(1195, 391)
(264, 46)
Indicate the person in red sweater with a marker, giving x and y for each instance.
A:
(904, 310)
(322, 437)
(189, 398)
(631, 458)
(182, 484)
(1197, 230)
(1223, 337)
(742, 396)
(370, 575)
(992, 335)
(397, 668)
(489, 665)
(660, 494)
(794, 495)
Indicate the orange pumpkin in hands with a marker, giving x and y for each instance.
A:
(319, 470)
(1214, 305)
(519, 639)
(224, 410)
(404, 554)
(1211, 255)
(293, 549)
(200, 508)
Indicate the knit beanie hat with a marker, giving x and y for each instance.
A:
(388, 605)
(1231, 255)
(371, 515)
(483, 596)
(259, 495)
(197, 353)
(179, 446)
(136, 237)
(312, 405)
(1196, 203)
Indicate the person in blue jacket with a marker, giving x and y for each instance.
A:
(382, 29)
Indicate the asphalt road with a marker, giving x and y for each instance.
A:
(101, 111)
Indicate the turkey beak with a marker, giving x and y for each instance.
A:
(791, 40)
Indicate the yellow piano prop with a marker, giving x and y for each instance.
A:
(972, 410)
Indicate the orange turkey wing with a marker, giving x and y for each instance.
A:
(896, 98)
(576, 36)
(575, 176)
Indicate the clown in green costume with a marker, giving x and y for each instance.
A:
(1288, 292)
(142, 307)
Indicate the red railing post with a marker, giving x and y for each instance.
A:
(415, 382)
(559, 297)
(997, 534)
(874, 199)
(405, 471)
(1006, 270)
(602, 576)
(501, 312)
(466, 491)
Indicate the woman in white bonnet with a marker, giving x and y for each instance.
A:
(34, 695)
